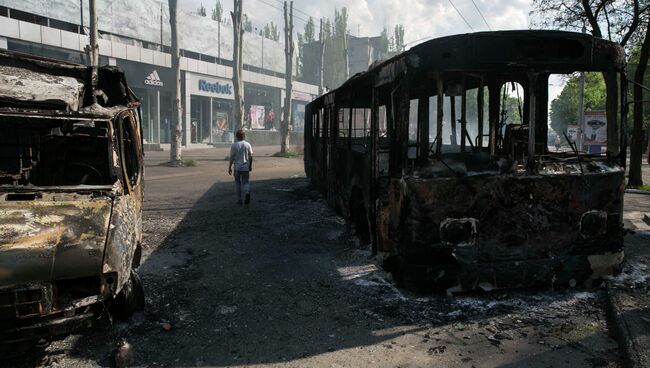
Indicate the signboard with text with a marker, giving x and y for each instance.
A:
(203, 85)
(595, 129)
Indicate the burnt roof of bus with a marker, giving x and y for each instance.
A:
(510, 52)
(36, 84)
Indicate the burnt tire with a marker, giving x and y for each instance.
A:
(129, 300)
(359, 219)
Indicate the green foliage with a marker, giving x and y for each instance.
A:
(246, 23)
(564, 109)
(309, 31)
(334, 66)
(189, 162)
(288, 154)
(271, 32)
(201, 11)
(399, 38)
(217, 12)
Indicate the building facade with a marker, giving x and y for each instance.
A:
(142, 51)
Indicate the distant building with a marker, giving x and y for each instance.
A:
(362, 52)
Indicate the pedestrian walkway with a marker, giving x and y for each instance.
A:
(628, 294)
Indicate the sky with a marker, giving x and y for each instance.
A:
(421, 18)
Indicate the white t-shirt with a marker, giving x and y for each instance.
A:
(239, 153)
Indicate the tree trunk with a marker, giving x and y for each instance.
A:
(636, 147)
(177, 113)
(611, 104)
(94, 49)
(238, 35)
(321, 41)
(288, 52)
(452, 110)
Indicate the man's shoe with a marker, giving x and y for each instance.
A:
(248, 199)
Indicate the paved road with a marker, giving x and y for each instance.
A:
(283, 282)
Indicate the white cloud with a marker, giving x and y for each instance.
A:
(421, 18)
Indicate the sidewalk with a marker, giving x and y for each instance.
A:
(628, 294)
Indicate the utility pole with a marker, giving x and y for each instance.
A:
(321, 41)
(581, 108)
(345, 52)
(93, 49)
(238, 35)
(288, 53)
(81, 13)
(162, 47)
(177, 115)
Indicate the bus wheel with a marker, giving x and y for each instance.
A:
(359, 218)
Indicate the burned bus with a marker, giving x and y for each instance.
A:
(71, 189)
(420, 155)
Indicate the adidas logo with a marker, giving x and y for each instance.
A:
(153, 79)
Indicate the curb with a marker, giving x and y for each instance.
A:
(637, 191)
(616, 326)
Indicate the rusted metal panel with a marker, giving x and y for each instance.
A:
(57, 236)
(503, 215)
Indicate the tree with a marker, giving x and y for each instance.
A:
(636, 147)
(238, 35)
(201, 11)
(619, 17)
(217, 12)
(271, 31)
(384, 42)
(177, 117)
(93, 49)
(564, 108)
(247, 25)
(288, 53)
(399, 38)
(309, 31)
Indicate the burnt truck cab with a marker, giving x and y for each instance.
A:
(71, 191)
(457, 188)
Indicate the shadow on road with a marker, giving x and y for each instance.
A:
(277, 281)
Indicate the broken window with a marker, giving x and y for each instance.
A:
(360, 129)
(343, 119)
(130, 149)
(54, 152)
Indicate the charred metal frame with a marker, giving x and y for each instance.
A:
(503, 215)
(68, 249)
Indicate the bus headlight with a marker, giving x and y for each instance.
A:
(460, 231)
(593, 223)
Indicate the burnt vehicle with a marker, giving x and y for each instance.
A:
(71, 190)
(420, 155)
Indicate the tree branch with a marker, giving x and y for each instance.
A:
(633, 25)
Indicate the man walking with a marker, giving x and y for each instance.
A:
(241, 157)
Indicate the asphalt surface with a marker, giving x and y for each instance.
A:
(283, 282)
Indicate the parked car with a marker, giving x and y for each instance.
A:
(71, 190)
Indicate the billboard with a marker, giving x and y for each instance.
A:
(595, 129)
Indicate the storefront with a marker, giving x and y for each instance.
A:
(153, 85)
(209, 117)
(262, 107)
(298, 102)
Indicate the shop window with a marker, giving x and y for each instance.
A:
(343, 121)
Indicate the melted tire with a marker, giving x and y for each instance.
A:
(130, 299)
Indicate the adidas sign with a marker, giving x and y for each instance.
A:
(153, 79)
